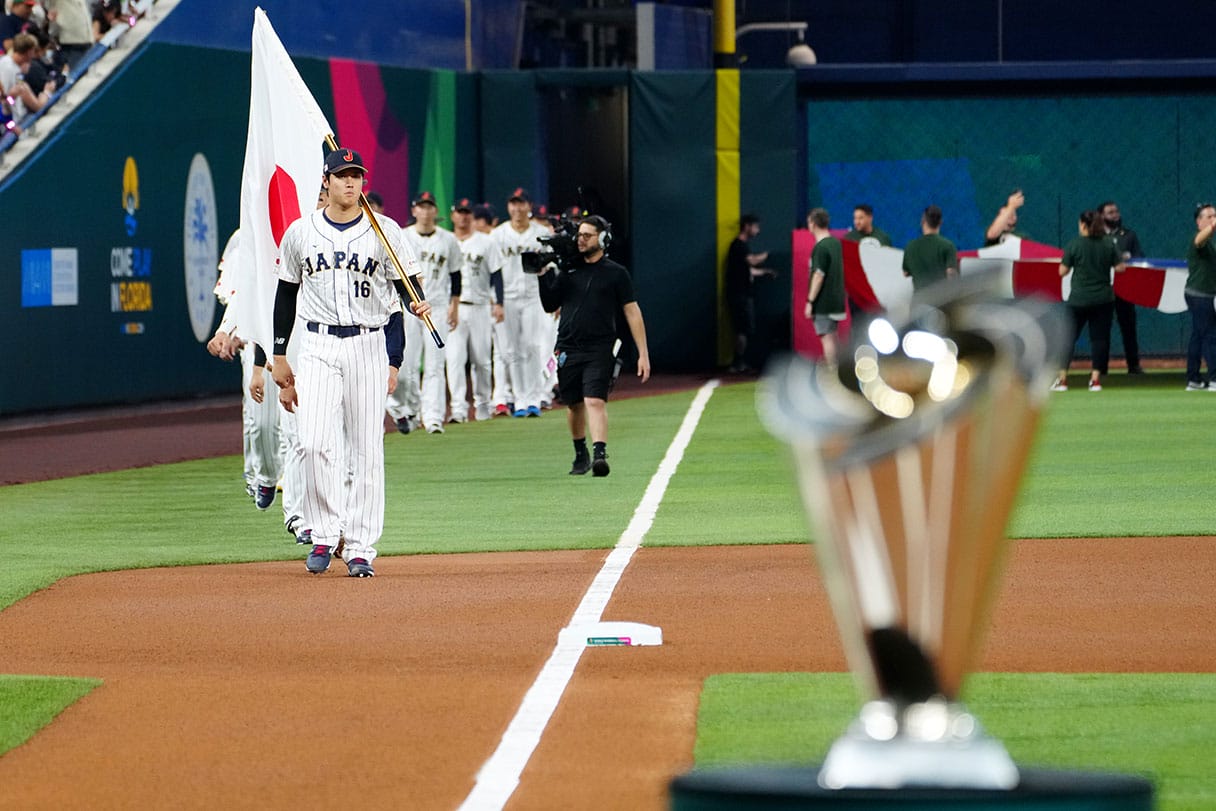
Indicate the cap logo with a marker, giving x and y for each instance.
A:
(348, 156)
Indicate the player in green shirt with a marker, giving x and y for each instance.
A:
(1089, 258)
(825, 297)
(931, 257)
(1200, 295)
(863, 227)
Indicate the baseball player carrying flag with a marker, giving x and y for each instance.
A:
(337, 253)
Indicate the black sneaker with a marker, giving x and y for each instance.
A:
(599, 466)
(358, 567)
(318, 559)
(264, 497)
(581, 465)
(406, 424)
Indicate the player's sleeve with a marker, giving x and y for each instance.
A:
(1069, 259)
(496, 285)
(284, 314)
(493, 262)
(228, 322)
(291, 254)
(394, 339)
(819, 258)
(456, 262)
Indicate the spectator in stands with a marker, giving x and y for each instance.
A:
(1004, 225)
(70, 27)
(1125, 312)
(743, 267)
(931, 257)
(1090, 257)
(104, 15)
(46, 71)
(13, 67)
(863, 227)
(16, 21)
(1200, 292)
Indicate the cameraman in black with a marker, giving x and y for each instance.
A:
(590, 292)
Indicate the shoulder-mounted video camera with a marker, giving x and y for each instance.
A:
(560, 248)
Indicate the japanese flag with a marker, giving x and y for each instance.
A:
(284, 159)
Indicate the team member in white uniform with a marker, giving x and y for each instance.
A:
(259, 420)
(485, 221)
(292, 473)
(335, 270)
(439, 262)
(480, 308)
(518, 336)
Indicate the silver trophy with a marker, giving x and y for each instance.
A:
(908, 458)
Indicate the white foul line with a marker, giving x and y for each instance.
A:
(499, 776)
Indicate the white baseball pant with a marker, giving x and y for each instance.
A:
(470, 343)
(341, 385)
(425, 397)
(518, 334)
(260, 427)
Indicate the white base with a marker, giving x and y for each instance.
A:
(596, 634)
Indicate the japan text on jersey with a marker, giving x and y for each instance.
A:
(339, 260)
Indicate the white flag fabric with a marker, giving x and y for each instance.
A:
(284, 161)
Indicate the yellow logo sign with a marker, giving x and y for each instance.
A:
(130, 194)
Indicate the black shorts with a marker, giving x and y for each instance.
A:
(585, 375)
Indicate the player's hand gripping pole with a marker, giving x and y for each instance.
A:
(415, 296)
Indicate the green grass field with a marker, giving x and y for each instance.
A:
(1128, 461)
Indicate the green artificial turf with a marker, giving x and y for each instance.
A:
(1157, 725)
(28, 703)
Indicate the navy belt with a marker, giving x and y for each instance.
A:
(339, 332)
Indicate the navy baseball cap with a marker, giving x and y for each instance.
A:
(484, 211)
(463, 204)
(341, 159)
(424, 198)
(520, 194)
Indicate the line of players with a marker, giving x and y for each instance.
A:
(475, 275)
(488, 313)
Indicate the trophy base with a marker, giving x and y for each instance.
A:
(858, 761)
(775, 787)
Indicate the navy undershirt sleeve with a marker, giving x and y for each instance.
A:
(496, 283)
(284, 314)
(394, 339)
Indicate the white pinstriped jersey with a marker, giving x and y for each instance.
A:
(511, 243)
(345, 274)
(480, 260)
(438, 256)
